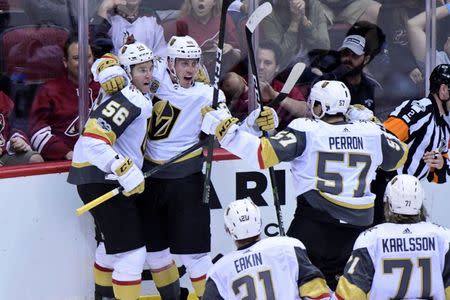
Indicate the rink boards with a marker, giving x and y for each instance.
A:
(46, 251)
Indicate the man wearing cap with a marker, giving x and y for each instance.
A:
(361, 44)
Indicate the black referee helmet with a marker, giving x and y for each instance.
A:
(440, 75)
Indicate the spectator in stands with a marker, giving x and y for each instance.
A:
(296, 25)
(201, 20)
(396, 67)
(238, 10)
(362, 43)
(235, 88)
(118, 19)
(350, 11)
(268, 55)
(53, 121)
(15, 147)
(268, 63)
(416, 34)
(393, 19)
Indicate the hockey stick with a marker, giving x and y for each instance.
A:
(217, 72)
(81, 210)
(292, 79)
(255, 18)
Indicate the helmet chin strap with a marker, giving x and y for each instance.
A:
(313, 113)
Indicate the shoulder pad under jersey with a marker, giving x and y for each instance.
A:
(305, 124)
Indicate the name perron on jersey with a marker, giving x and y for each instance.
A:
(332, 164)
(272, 268)
(398, 261)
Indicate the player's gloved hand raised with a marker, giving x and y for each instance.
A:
(218, 122)
(357, 112)
(264, 120)
(113, 85)
(129, 175)
(108, 72)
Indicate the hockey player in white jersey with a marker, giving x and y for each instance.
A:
(332, 163)
(271, 268)
(110, 152)
(405, 258)
(177, 222)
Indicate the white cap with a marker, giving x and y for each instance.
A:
(356, 43)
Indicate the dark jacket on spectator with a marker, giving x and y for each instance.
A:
(365, 92)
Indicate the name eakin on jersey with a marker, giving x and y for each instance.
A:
(258, 268)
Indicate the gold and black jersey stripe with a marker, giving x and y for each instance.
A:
(110, 119)
(356, 282)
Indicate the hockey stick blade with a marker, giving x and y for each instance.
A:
(253, 21)
(255, 18)
(293, 77)
(94, 203)
(258, 15)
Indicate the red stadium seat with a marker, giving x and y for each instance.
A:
(33, 51)
(6, 5)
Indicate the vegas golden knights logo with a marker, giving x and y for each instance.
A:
(163, 119)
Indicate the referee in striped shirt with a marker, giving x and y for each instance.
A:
(425, 126)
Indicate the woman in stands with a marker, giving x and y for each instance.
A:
(116, 20)
(201, 21)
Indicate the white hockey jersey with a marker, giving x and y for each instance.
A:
(398, 261)
(338, 160)
(272, 268)
(145, 29)
(332, 164)
(117, 125)
(176, 121)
